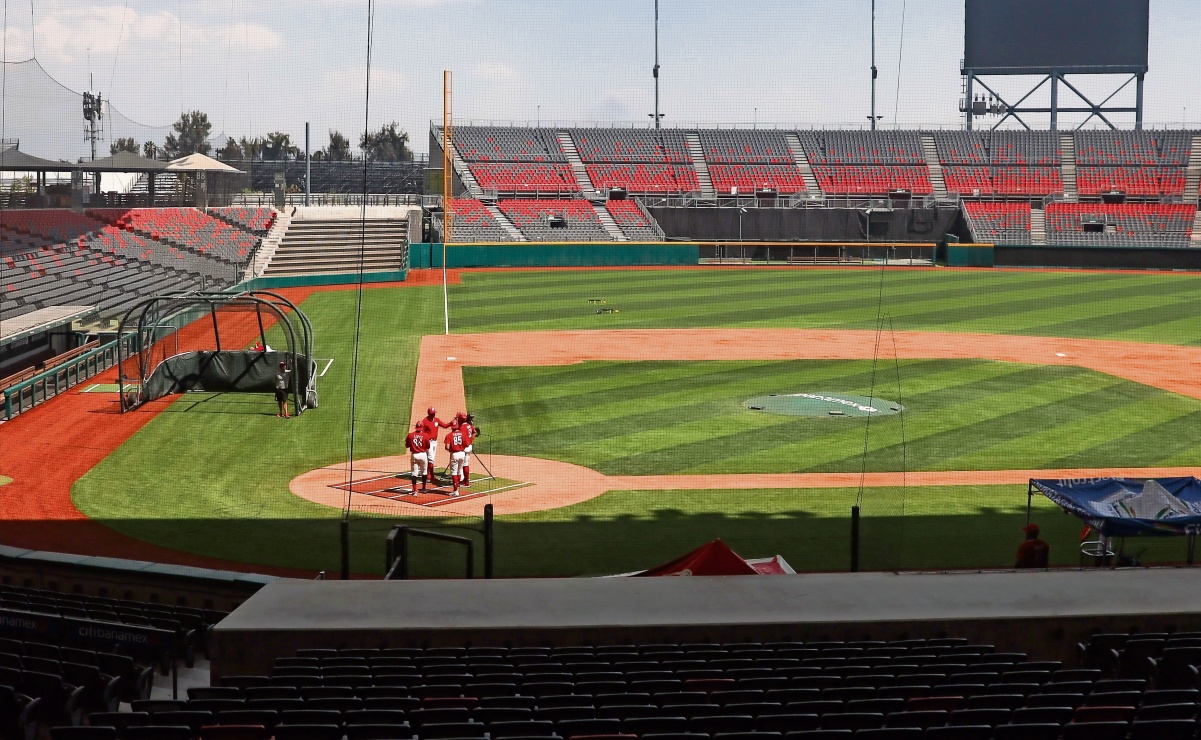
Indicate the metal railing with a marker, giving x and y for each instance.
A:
(330, 199)
(46, 385)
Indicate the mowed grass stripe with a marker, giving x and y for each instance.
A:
(954, 442)
(582, 421)
(933, 416)
(933, 294)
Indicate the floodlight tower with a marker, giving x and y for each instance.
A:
(93, 111)
(655, 70)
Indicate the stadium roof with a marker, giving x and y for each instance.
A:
(124, 162)
(14, 160)
(201, 163)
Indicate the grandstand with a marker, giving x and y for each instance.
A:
(110, 258)
(1002, 179)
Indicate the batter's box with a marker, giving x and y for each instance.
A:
(397, 487)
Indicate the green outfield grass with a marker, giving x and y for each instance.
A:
(648, 418)
(210, 475)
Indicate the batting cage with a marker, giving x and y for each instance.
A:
(177, 346)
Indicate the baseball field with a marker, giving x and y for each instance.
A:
(615, 410)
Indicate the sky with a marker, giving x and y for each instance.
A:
(256, 66)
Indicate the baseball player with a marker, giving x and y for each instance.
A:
(418, 447)
(470, 432)
(430, 426)
(455, 444)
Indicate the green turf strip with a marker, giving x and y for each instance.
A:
(1147, 307)
(647, 418)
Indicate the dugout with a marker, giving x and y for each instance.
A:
(176, 346)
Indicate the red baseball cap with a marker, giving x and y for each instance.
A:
(1031, 527)
(417, 425)
(431, 411)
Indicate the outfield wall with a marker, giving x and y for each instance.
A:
(808, 224)
(554, 254)
(1131, 258)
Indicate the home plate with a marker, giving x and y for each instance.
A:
(450, 359)
(1060, 354)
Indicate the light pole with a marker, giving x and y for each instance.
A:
(873, 116)
(755, 120)
(539, 116)
(655, 71)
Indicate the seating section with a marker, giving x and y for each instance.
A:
(59, 681)
(534, 218)
(1141, 163)
(645, 178)
(522, 177)
(867, 162)
(1136, 224)
(60, 257)
(254, 220)
(740, 146)
(1000, 222)
(783, 178)
(506, 144)
(598, 145)
(473, 223)
(633, 221)
(185, 228)
(1000, 162)
(942, 689)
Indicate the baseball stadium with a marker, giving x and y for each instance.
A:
(304, 439)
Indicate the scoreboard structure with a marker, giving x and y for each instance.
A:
(1049, 40)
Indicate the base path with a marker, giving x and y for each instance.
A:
(440, 383)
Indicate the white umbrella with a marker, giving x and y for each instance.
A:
(200, 163)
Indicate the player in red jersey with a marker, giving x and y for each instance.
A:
(470, 432)
(418, 447)
(455, 444)
(430, 426)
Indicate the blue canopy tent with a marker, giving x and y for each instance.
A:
(1129, 507)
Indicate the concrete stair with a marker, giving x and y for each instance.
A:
(578, 170)
(1067, 171)
(461, 168)
(801, 161)
(704, 180)
(930, 151)
(608, 223)
(340, 245)
(504, 222)
(1195, 235)
(269, 245)
(1192, 175)
(1038, 226)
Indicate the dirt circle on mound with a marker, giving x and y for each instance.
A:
(549, 485)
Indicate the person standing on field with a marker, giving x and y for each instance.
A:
(281, 390)
(418, 447)
(430, 426)
(470, 432)
(455, 444)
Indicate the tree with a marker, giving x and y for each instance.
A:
(124, 145)
(231, 150)
(150, 150)
(339, 147)
(389, 144)
(278, 146)
(251, 148)
(190, 137)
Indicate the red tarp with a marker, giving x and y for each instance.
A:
(717, 559)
